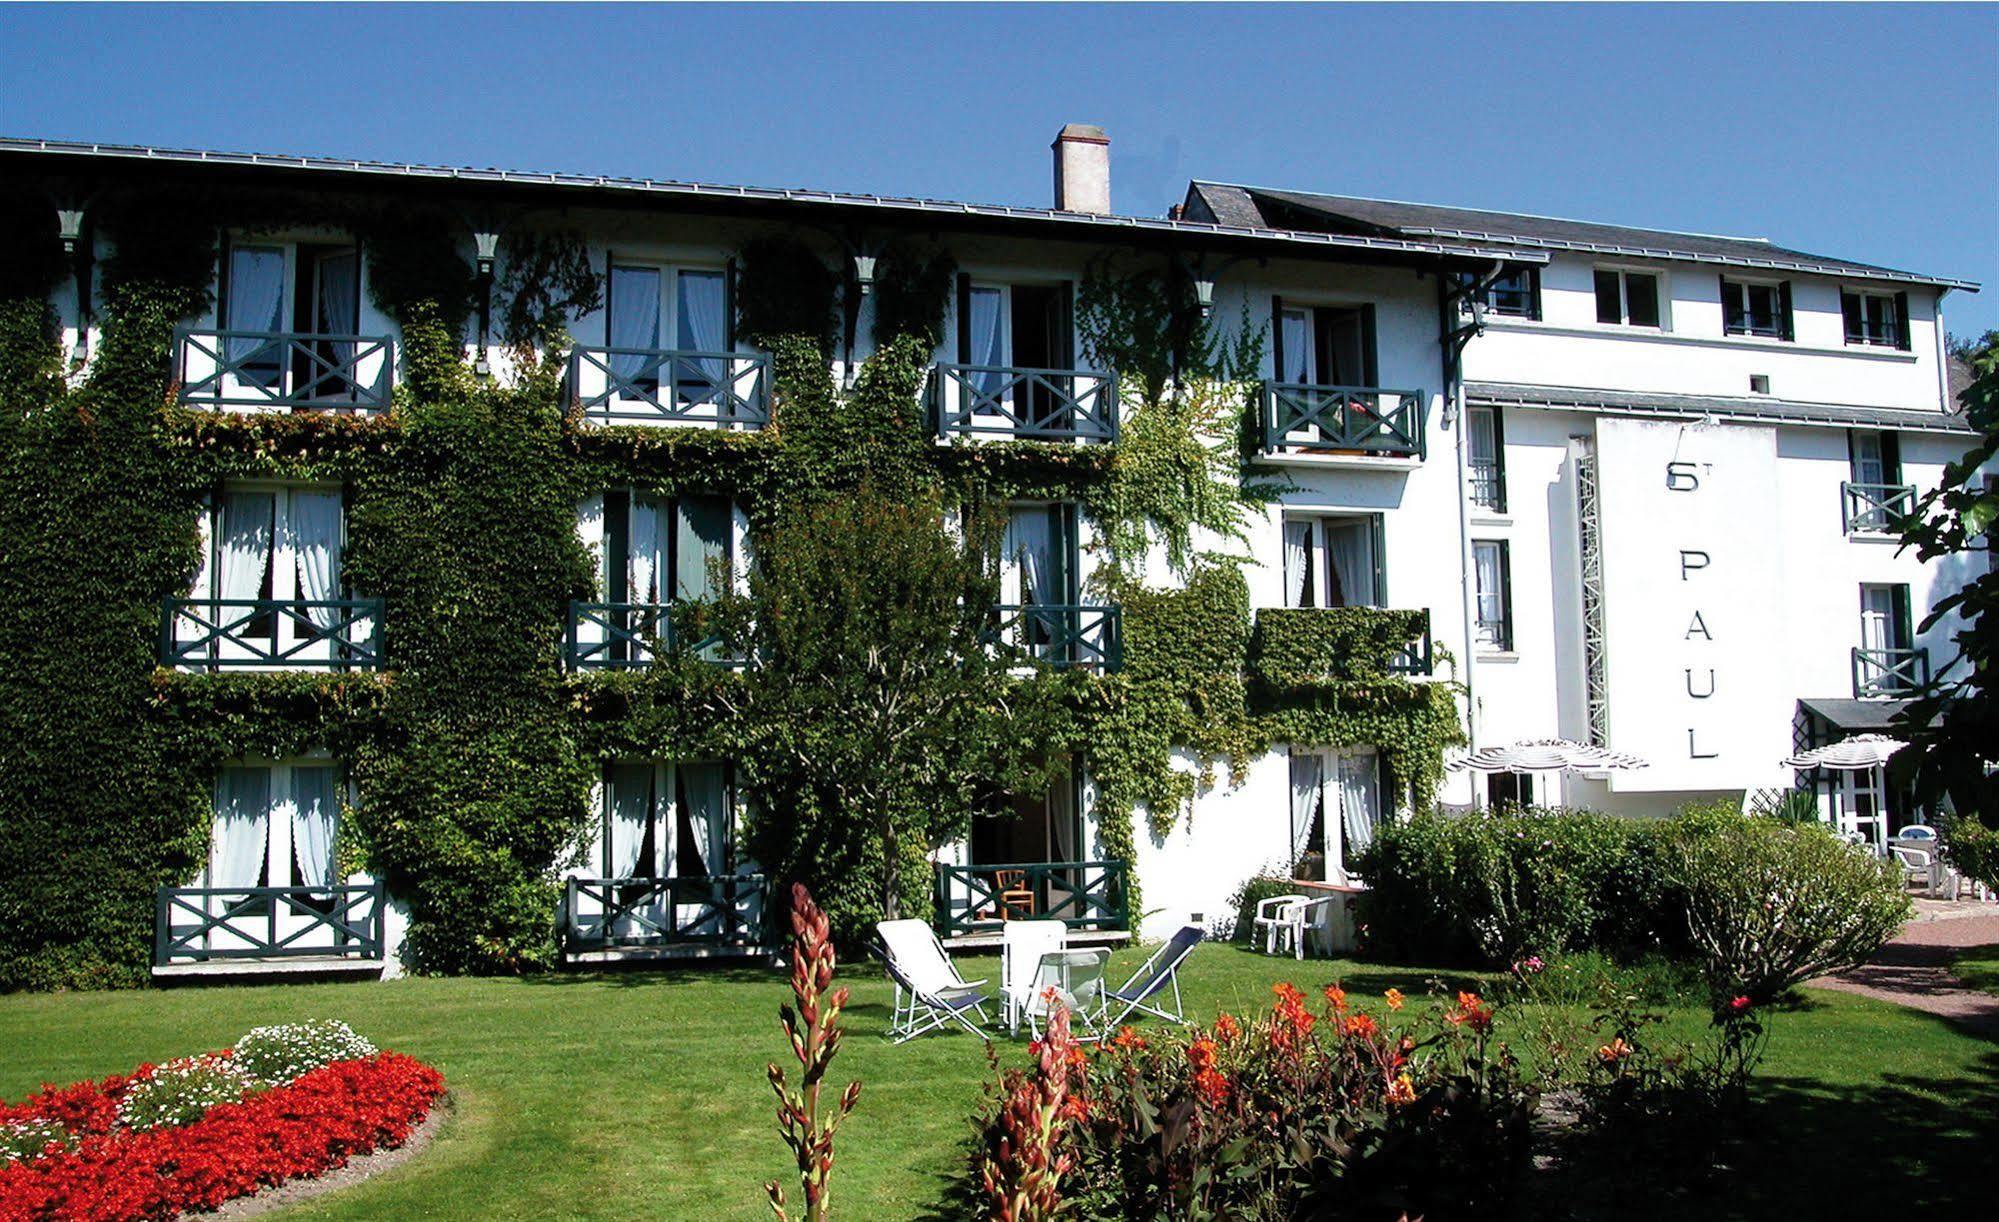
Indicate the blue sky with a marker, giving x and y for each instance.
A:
(1860, 131)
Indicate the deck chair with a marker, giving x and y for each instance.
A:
(1153, 977)
(1073, 979)
(929, 992)
(1022, 945)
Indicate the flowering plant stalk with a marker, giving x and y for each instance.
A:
(1021, 1174)
(814, 1030)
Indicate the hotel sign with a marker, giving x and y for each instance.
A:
(1691, 611)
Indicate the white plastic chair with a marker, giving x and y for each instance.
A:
(1075, 979)
(1023, 944)
(929, 992)
(1918, 866)
(1274, 920)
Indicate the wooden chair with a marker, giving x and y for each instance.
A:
(1016, 900)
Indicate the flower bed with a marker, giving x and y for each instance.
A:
(118, 1149)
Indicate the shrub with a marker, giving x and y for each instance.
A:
(1769, 906)
(281, 1054)
(181, 1091)
(1973, 849)
(1254, 890)
(1327, 1114)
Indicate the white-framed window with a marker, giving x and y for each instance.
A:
(653, 552)
(1334, 560)
(1336, 805)
(276, 825)
(1039, 555)
(290, 313)
(281, 545)
(1323, 345)
(1517, 294)
(666, 820)
(1877, 320)
(1755, 307)
(1492, 570)
(1485, 458)
(1628, 297)
(1884, 617)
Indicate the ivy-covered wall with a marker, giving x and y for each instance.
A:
(473, 755)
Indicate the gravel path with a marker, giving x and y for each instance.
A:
(291, 1192)
(1914, 969)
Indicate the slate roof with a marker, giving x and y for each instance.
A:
(1857, 716)
(1229, 204)
(1759, 409)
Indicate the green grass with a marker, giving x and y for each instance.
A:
(643, 1094)
(1978, 967)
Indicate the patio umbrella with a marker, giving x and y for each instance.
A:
(1854, 754)
(1548, 754)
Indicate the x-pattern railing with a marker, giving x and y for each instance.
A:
(284, 369)
(1045, 404)
(201, 923)
(271, 633)
(626, 636)
(1890, 672)
(1418, 657)
(1065, 637)
(1331, 418)
(666, 386)
(1080, 894)
(721, 909)
(1873, 508)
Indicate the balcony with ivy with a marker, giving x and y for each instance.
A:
(1297, 648)
(1003, 402)
(278, 371)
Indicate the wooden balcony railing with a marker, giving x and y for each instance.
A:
(1871, 509)
(200, 924)
(617, 913)
(284, 370)
(653, 386)
(1064, 637)
(1080, 894)
(1890, 672)
(628, 636)
(1361, 421)
(1028, 404)
(213, 634)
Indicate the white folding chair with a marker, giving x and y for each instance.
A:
(1075, 980)
(1022, 947)
(1153, 978)
(929, 992)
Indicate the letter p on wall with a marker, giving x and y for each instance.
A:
(1690, 561)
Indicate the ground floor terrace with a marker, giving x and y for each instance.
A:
(642, 1094)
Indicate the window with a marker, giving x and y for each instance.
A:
(1492, 567)
(640, 312)
(1485, 457)
(1504, 789)
(1884, 618)
(1756, 309)
(1336, 805)
(280, 546)
(275, 825)
(1876, 319)
(659, 550)
(272, 293)
(667, 821)
(1874, 491)
(1334, 562)
(1517, 294)
(1038, 556)
(1323, 345)
(1627, 298)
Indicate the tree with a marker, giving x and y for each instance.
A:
(876, 715)
(1952, 729)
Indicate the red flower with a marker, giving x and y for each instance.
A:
(1359, 1026)
(1226, 1028)
(1337, 997)
(1128, 1039)
(1737, 1005)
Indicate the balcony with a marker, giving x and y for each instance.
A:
(1332, 425)
(1302, 647)
(217, 634)
(1890, 672)
(1023, 404)
(268, 929)
(616, 918)
(1063, 637)
(1084, 895)
(1871, 509)
(630, 636)
(284, 371)
(651, 386)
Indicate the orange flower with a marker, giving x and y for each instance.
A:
(1337, 996)
(1615, 1051)
(1360, 1026)
(1394, 997)
(1401, 1092)
(1286, 991)
(1212, 1087)
(1201, 1053)
(1075, 1107)
(1128, 1038)
(1467, 1001)
(1226, 1028)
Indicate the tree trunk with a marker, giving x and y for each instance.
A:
(891, 873)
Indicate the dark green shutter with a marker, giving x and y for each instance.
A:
(1854, 321)
(964, 319)
(1064, 347)
(617, 544)
(1784, 328)
(1277, 337)
(1499, 454)
(1534, 293)
(1902, 321)
(729, 306)
(1891, 457)
(1505, 597)
(1378, 543)
(1370, 361)
(1904, 627)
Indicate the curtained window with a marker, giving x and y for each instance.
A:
(633, 304)
(667, 820)
(256, 292)
(701, 304)
(275, 825)
(1333, 562)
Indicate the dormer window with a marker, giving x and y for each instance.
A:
(1627, 298)
(1756, 309)
(1876, 319)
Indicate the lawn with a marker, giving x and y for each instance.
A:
(643, 1094)
(1978, 967)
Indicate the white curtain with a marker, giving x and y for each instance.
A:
(1306, 776)
(988, 339)
(1360, 801)
(312, 532)
(339, 313)
(256, 299)
(1030, 545)
(628, 808)
(1481, 438)
(1350, 546)
(244, 553)
(242, 824)
(1062, 816)
(648, 547)
(315, 808)
(703, 845)
(702, 325)
(634, 321)
(1297, 337)
(701, 536)
(1491, 599)
(1297, 564)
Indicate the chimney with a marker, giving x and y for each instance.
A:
(1083, 169)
